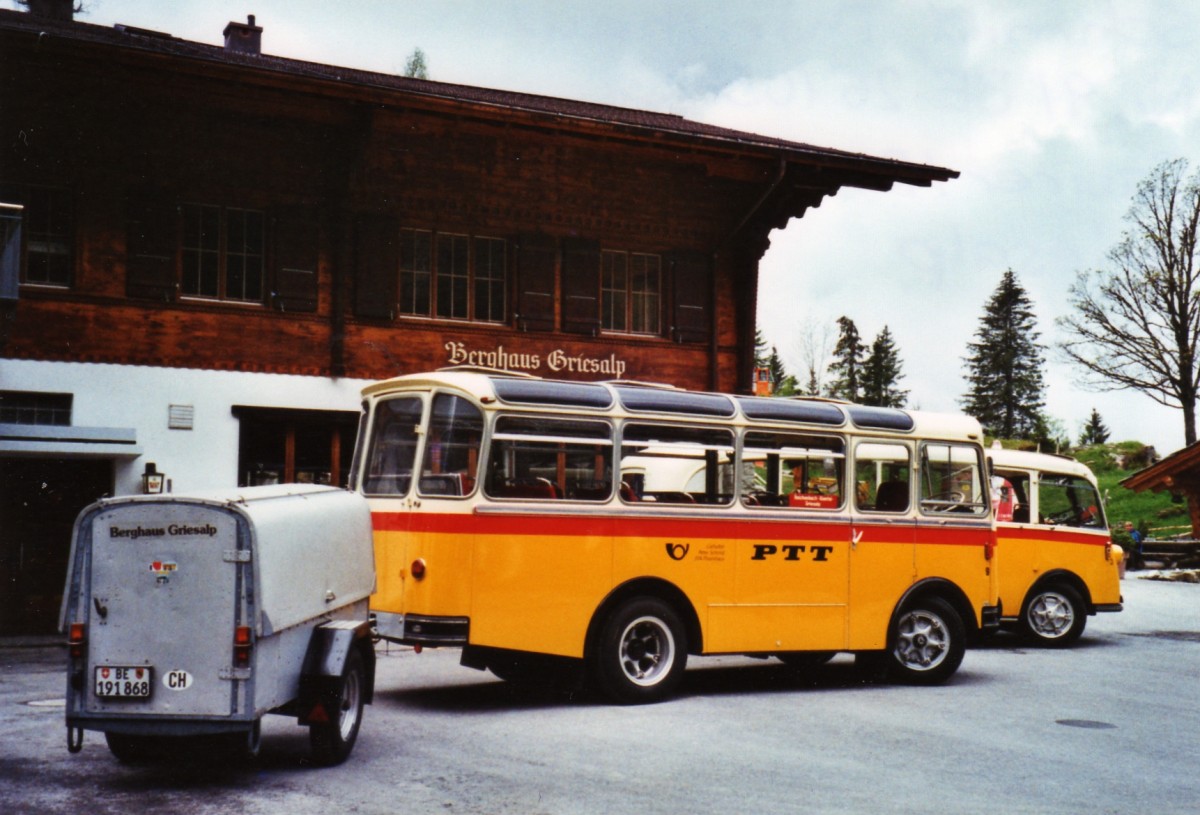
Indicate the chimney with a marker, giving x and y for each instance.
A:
(244, 38)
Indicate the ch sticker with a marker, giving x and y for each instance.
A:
(177, 680)
(678, 551)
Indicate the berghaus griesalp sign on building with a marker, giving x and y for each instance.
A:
(556, 362)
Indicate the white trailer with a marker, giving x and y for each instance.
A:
(195, 615)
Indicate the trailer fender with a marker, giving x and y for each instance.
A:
(325, 664)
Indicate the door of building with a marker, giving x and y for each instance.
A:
(39, 500)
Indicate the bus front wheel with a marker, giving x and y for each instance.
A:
(640, 653)
(1054, 616)
(927, 642)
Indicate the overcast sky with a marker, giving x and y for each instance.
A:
(1052, 112)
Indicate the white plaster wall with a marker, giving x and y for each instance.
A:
(138, 397)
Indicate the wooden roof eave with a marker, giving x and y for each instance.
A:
(1177, 470)
(857, 170)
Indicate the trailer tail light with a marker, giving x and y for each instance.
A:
(77, 640)
(241, 646)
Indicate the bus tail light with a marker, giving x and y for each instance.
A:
(241, 646)
(417, 569)
(989, 550)
(1108, 550)
(77, 640)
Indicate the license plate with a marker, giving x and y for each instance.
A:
(121, 682)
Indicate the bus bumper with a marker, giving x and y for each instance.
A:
(420, 629)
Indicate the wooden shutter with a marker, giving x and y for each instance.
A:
(691, 314)
(581, 286)
(151, 239)
(536, 255)
(295, 261)
(376, 265)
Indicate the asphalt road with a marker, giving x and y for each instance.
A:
(1110, 726)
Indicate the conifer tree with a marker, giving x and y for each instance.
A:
(760, 349)
(881, 373)
(847, 366)
(1094, 432)
(1005, 365)
(782, 383)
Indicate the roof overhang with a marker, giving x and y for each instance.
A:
(1174, 473)
(54, 441)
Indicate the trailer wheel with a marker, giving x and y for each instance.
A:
(332, 741)
(133, 749)
(244, 746)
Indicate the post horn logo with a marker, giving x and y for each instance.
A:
(678, 551)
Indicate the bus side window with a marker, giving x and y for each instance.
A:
(952, 479)
(792, 470)
(1018, 482)
(393, 446)
(677, 465)
(451, 447)
(1068, 501)
(535, 458)
(882, 477)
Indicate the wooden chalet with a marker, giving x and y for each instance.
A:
(209, 249)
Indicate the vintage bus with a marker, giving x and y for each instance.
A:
(1057, 561)
(620, 527)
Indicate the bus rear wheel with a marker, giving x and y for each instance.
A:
(1053, 616)
(640, 653)
(927, 642)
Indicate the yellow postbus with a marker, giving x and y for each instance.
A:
(620, 528)
(1057, 561)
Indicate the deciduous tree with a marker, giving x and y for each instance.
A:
(1136, 325)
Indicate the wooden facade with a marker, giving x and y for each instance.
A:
(128, 132)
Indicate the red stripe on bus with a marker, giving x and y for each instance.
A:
(674, 528)
(1097, 538)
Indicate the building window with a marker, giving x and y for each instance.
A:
(285, 446)
(630, 292)
(491, 290)
(453, 276)
(47, 227)
(27, 407)
(223, 253)
(466, 278)
(416, 270)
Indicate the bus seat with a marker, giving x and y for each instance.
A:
(525, 488)
(593, 491)
(892, 496)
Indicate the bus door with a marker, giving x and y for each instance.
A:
(433, 441)
(386, 478)
(882, 537)
(792, 559)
